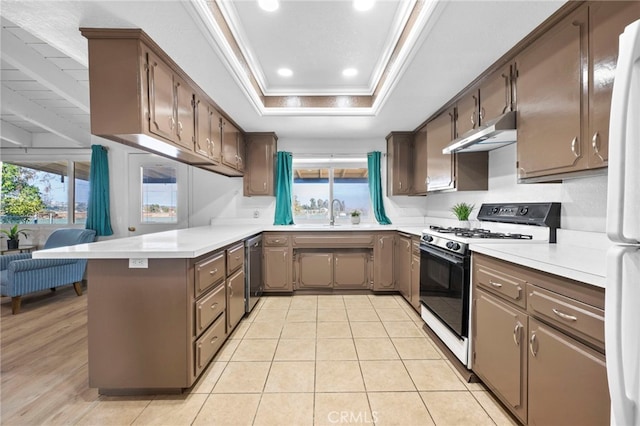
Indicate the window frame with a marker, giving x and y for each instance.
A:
(331, 163)
(71, 157)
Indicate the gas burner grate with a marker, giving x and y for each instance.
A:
(479, 233)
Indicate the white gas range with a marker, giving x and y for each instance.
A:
(445, 270)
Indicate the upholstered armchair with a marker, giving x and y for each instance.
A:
(20, 274)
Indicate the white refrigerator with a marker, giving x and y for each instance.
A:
(622, 297)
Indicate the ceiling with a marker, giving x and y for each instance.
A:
(45, 95)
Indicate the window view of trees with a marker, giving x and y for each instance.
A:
(40, 195)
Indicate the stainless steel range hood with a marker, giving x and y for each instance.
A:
(494, 134)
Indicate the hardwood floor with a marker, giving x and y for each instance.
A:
(43, 354)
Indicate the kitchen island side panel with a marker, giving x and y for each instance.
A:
(140, 325)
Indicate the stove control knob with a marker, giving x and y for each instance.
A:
(428, 238)
(523, 211)
(453, 245)
(495, 210)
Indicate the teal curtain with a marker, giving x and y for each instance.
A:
(98, 215)
(375, 188)
(284, 182)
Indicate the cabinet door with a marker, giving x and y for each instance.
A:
(606, 22)
(202, 142)
(315, 270)
(399, 164)
(551, 98)
(439, 165)
(383, 278)
(241, 150)
(415, 281)
(277, 269)
(495, 94)
(185, 130)
(403, 266)
(229, 144)
(567, 380)
(235, 299)
(162, 120)
(500, 350)
(467, 113)
(419, 186)
(351, 270)
(215, 120)
(259, 174)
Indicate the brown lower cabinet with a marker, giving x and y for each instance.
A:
(541, 353)
(277, 262)
(402, 265)
(332, 270)
(383, 264)
(157, 329)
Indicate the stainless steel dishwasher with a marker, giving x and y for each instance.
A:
(253, 265)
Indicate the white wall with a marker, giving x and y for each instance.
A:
(583, 199)
(219, 197)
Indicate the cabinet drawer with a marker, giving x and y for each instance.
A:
(575, 317)
(209, 272)
(209, 343)
(209, 308)
(276, 240)
(499, 280)
(235, 258)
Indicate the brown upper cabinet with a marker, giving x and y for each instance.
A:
(419, 156)
(399, 163)
(564, 84)
(140, 97)
(496, 95)
(231, 151)
(259, 175)
(208, 134)
(461, 172)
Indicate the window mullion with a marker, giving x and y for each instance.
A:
(71, 192)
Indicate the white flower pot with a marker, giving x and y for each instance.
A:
(355, 220)
(464, 224)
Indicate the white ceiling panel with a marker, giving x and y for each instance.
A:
(67, 64)
(24, 86)
(23, 34)
(80, 75)
(14, 75)
(47, 50)
(53, 103)
(42, 94)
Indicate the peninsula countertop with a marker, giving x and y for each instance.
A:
(194, 242)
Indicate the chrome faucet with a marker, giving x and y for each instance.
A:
(332, 217)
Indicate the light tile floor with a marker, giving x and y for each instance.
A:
(319, 360)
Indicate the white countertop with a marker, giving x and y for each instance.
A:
(580, 263)
(193, 242)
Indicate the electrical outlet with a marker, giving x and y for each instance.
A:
(256, 214)
(138, 263)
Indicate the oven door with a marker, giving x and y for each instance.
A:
(444, 287)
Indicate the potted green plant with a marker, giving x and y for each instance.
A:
(13, 235)
(355, 217)
(462, 211)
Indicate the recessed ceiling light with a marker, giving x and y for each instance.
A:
(363, 5)
(285, 72)
(269, 5)
(350, 72)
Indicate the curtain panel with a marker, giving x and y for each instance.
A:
(284, 182)
(375, 187)
(98, 213)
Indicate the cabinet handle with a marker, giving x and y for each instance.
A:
(172, 123)
(237, 257)
(215, 305)
(264, 185)
(230, 290)
(277, 241)
(574, 147)
(400, 185)
(428, 180)
(517, 333)
(329, 260)
(179, 127)
(495, 284)
(532, 342)
(564, 316)
(595, 143)
(214, 340)
(481, 114)
(381, 243)
(215, 271)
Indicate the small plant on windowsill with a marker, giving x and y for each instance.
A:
(13, 236)
(355, 217)
(462, 211)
